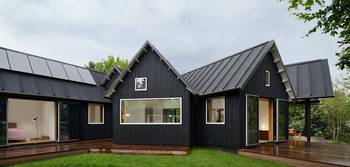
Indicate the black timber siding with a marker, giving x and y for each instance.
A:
(95, 131)
(161, 82)
(256, 86)
(227, 135)
(232, 134)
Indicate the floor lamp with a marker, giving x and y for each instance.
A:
(36, 125)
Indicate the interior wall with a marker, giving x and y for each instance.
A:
(22, 112)
(47, 120)
(264, 115)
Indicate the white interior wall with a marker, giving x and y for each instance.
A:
(22, 112)
(48, 120)
(263, 115)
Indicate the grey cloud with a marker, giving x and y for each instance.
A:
(189, 33)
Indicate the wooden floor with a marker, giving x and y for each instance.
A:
(17, 154)
(302, 153)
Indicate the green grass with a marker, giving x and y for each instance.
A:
(198, 157)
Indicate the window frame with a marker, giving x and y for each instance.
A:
(144, 123)
(206, 111)
(103, 114)
(146, 84)
(268, 81)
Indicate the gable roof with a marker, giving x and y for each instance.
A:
(31, 75)
(115, 70)
(25, 84)
(135, 60)
(27, 63)
(311, 79)
(233, 72)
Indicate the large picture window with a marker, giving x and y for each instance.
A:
(215, 110)
(96, 113)
(151, 111)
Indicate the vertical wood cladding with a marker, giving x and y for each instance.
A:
(256, 84)
(232, 133)
(95, 131)
(276, 90)
(227, 135)
(161, 83)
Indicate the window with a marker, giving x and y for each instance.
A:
(141, 84)
(252, 120)
(282, 127)
(96, 114)
(151, 111)
(267, 78)
(215, 110)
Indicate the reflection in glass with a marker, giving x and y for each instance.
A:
(253, 120)
(148, 111)
(282, 117)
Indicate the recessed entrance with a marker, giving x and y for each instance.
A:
(266, 120)
(31, 121)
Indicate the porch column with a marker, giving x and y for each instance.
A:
(307, 128)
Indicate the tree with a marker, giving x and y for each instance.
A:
(105, 65)
(331, 18)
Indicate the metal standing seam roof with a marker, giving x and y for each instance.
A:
(24, 84)
(311, 79)
(48, 78)
(234, 71)
(28, 63)
(135, 60)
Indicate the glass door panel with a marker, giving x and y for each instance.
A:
(282, 124)
(68, 121)
(252, 120)
(3, 121)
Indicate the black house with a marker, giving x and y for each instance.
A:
(238, 101)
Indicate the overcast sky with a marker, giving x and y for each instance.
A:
(188, 33)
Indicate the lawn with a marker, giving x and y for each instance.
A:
(198, 157)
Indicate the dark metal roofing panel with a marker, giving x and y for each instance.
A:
(228, 73)
(72, 72)
(310, 79)
(18, 83)
(4, 63)
(39, 66)
(86, 75)
(57, 69)
(27, 63)
(19, 62)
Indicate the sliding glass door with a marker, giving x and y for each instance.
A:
(68, 121)
(252, 120)
(3, 121)
(282, 120)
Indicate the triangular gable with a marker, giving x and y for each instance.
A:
(235, 71)
(135, 60)
(280, 67)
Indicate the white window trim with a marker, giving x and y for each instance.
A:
(269, 78)
(103, 115)
(145, 84)
(206, 112)
(167, 98)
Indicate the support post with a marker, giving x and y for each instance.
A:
(307, 128)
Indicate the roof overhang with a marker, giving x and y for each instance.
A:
(282, 71)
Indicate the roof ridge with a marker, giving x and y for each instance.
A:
(29, 54)
(232, 55)
(305, 62)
